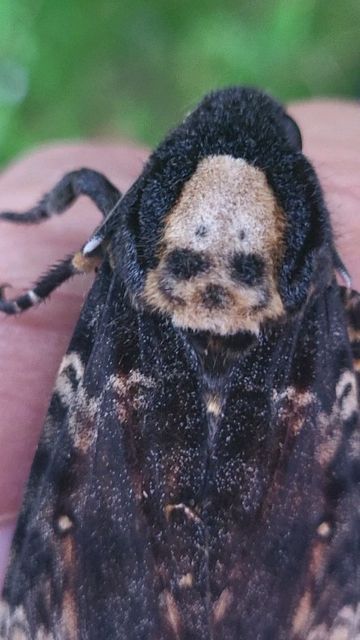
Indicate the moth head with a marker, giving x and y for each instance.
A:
(220, 250)
(226, 229)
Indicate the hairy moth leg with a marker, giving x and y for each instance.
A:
(51, 280)
(84, 182)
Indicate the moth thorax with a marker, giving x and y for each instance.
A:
(220, 249)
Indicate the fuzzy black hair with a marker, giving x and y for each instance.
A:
(243, 123)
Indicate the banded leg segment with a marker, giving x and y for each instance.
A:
(82, 182)
(46, 284)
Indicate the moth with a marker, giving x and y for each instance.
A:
(198, 473)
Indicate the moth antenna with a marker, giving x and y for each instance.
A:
(344, 274)
(46, 284)
(341, 269)
(102, 232)
(83, 182)
(92, 244)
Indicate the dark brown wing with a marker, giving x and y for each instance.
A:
(81, 566)
(107, 544)
(154, 510)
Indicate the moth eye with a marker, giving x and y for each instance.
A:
(185, 263)
(242, 234)
(247, 268)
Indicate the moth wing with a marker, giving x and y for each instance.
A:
(330, 606)
(351, 302)
(81, 565)
(285, 549)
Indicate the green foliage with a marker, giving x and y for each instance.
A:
(132, 68)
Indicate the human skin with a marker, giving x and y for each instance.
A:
(31, 345)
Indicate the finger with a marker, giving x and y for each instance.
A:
(331, 133)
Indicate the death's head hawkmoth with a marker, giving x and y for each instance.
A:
(198, 473)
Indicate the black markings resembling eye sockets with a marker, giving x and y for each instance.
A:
(247, 268)
(185, 263)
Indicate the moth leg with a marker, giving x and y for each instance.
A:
(46, 284)
(84, 182)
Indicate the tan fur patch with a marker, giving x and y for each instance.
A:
(69, 616)
(225, 208)
(213, 405)
(357, 365)
(354, 335)
(85, 264)
(134, 384)
(63, 385)
(221, 605)
(69, 609)
(131, 392)
(294, 405)
(303, 614)
(82, 408)
(346, 626)
(186, 581)
(171, 612)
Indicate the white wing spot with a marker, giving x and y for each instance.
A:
(324, 530)
(35, 299)
(186, 581)
(64, 523)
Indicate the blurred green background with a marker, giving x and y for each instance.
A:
(132, 68)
